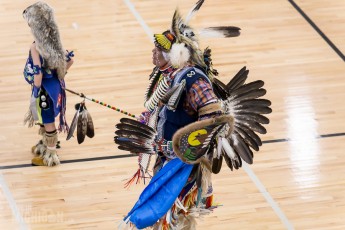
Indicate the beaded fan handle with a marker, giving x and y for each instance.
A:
(102, 103)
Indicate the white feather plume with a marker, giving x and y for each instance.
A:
(179, 55)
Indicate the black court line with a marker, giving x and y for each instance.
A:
(133, 155)
(319, 137)
(71, 161)
(330, 43)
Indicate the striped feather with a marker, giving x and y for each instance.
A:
(220, 89)
(131, 145)
(227, 160)
(256, 102)
(217, 164)
(167, 96)
(250, 95)
(244, 116)
(193, 11)
(176, 96)
(128, 127)
(81, 127)
(248, 87)
(255, 126)
(250, 132)
(132, 134)
(138, 124)
(73, 125)
(253, 109)
(220, 32)
(247, 139)
(242, 149)
(90, 130)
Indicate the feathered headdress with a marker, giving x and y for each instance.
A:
(40, 18)
(181, 42)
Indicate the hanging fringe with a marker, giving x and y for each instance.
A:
(29, 119)
(136, 176)
(190, 199)
(180, 205)
(205, 179)
(63, 126)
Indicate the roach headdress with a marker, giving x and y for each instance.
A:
(180, 42)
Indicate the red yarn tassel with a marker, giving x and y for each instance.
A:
(136, 175)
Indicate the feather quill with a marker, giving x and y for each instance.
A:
(217, 164)
(133, 146)
(249, 141)
(250, 132)
(256, 102)
(73, 125)
(242, 149)
(176, 96)
(245, 116)
(90, 130)
(138, 124)
(167, 96)
(220, 32)
(238, 80)
(254, 109)
(220, 89)
(250, 95)
(193, 11)
(176, 21)
(132, 134)
(255, 126)
(227, 160)
(248, 87)
(81, 127)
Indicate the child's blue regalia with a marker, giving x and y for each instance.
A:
(50, 100)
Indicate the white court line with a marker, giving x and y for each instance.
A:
(12, 203)
(147, 29)
(245, 166)
(267, 196)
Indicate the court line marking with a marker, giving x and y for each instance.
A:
(133, 155)
(317, 29)
(20, 220)
(250, 173)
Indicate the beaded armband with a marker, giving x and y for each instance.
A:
(69, 55)
(37, 69)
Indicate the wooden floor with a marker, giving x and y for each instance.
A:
(301, 164)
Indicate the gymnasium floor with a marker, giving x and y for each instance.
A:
(297, 47)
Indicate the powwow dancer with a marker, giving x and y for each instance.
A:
(192, 122)
(45, 70)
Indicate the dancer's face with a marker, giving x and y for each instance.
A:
(158, 58)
